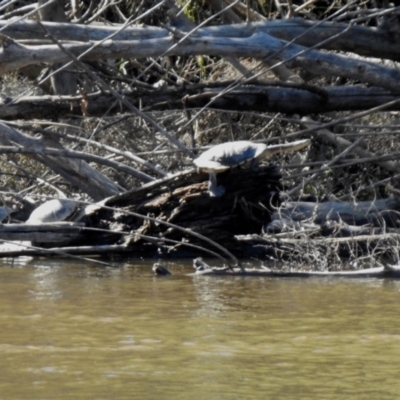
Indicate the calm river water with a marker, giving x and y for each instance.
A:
(71, 330)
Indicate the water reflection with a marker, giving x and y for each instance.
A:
(84, 331)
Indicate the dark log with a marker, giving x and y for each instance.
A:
(234, 220)
(184, 200)
(60, 232)
(299, 99)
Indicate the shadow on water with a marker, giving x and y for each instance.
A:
(70, 329)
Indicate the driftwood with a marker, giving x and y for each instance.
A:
(377, 272)
(377, 213)
(363, 40)
(159, 217)
(184, 201)
(40, 151)
(254, 43)
(203, 269)
(181, 200)
(174, 215)
(260, 45)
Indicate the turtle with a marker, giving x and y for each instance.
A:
(53, 211)
(160, 270)
(225, 156)
(200, 265)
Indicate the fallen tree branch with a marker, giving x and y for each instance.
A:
(377, 272)
(367, 41)
(29, 250)
(78, 173)
(79, 155)
(304, 100)
(318, 241)
(259, 45)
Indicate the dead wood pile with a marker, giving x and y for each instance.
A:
(328, 233)
(184, 200)
(110, 101)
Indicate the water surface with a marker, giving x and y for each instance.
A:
(79, 331)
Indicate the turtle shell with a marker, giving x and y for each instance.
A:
(229, 155)
(53, 211)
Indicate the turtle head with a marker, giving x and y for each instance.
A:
(283, 148)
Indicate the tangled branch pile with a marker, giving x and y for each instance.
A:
(110, 101)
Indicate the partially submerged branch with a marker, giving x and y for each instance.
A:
(377, 272)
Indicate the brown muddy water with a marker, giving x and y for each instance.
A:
(79, 331)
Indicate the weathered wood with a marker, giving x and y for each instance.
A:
(156, 188)
(78, 155)
(184, 201)
(309, 248)
(255, 239)
(77, 172)
(376, 213)
(259, 45)
(286, 227)
(377, 272)
(368, 41)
